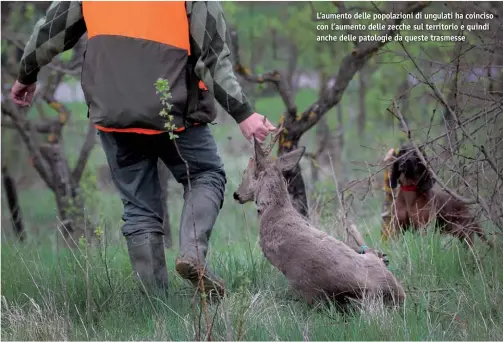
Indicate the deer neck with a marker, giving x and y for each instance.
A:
(272, 195)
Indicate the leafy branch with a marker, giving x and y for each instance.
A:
(164, 92)
(162, 89)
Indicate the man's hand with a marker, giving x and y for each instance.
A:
(255, 126)
(22, 94)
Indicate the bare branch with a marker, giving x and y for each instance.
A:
(45, 126)
(351, 64)
(342, 9)
(453, 114)
(324, 142)
(61, 109)
(434, 175)
(26, 131)
(13, 38)
(273, 77)
(57, 67)
(13, 202)
(85, 152)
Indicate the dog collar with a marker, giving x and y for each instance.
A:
(408, 187)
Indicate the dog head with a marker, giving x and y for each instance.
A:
(408, 168)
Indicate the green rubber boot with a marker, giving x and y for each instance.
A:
(199, 214)
(146, 253)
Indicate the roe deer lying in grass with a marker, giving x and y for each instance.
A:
(317, 266)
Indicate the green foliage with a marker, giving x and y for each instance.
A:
(29, 12)
(162, 88)
(66, 56)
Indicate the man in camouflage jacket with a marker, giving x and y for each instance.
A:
(130, 45)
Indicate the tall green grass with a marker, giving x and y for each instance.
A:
(49, 293)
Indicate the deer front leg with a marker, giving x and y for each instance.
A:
(304, 290)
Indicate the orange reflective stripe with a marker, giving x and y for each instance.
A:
(138, 130)
(202, 86)
(129, 130)
(161, 21)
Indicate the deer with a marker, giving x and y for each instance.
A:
(317, 266)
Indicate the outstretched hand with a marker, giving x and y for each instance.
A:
(22, 94)
(256, 126)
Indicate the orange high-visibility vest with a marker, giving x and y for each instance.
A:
(161, 21)
(124, 38)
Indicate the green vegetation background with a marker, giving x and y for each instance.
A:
(51, 294)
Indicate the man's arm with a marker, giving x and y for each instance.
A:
(209, 41)
(59, 30)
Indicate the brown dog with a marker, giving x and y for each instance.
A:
(417, 203)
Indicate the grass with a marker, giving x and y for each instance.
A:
(452, 294)
(50, 293)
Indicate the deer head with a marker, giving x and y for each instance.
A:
(260, 162)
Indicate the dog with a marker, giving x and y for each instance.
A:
(418, 203)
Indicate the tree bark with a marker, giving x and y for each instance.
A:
(13, 203)
(296, 184)
(69, 204)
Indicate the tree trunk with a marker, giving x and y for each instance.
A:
(13, 203)
(163, 179)
(71, 216)
(295, 181)
(69, 204)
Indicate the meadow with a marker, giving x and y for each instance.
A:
(51, 293)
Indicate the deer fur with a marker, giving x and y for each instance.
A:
(316, 265)
(418, 203)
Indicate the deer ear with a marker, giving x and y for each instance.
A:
(289, 160)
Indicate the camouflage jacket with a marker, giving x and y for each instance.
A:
(64, 24)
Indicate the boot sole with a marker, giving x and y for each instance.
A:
(189, 271)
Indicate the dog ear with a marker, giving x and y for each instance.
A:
(425, 181)
(395, 173)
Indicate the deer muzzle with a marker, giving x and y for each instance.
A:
(238, 199)
(236, 196)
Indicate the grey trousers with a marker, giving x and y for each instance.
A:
(133, 163)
